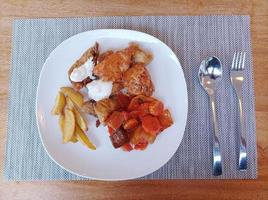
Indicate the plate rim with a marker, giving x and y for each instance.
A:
(38, 90)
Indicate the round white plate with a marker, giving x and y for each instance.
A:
(107, 163)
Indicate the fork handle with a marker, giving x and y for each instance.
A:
(217, 162)
(242, 159)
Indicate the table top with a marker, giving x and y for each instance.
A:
(148, 189)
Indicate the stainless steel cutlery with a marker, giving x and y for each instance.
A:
(210, 73)
(237, 78)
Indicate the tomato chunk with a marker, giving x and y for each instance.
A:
(127, 147)
(123, 100)
(116, 119)
(151, 124)
(165, 119)
(141, 146)
(111, 130)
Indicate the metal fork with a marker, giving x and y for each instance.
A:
(237, 78)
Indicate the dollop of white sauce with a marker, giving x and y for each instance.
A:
(98, 89)
(82, 72)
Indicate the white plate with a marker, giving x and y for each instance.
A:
(107, 163)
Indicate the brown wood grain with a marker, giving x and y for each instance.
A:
(175, 189)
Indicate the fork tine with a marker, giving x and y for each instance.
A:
(236, 61)
(243, 61)
(240, 61)
(233, 62)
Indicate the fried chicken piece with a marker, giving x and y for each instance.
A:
(117, 87)
(138, 55)
(112, 67)
(137, 80)
(104, 55)
(88, 108)
(104, 108)
(91, 52)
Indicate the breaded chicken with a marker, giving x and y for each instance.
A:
(117, 87)
(91, 52)
(112, 65)
(138, 55)
(137, 80)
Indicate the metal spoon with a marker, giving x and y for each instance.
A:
(210, 73)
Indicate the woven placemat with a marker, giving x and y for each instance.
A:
(191, 38)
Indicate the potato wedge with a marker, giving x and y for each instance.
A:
(74, 139)
(59, 104)
(82, 137)
(79, 118)
(76, 97)
(69, 103)
(69, 125)
(61, 122)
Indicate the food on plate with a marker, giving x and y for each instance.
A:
(88, 108)
(119, 91)
(80, 72)
(72, 121)
(137, 80)
(68, 125)
(59, 105)
(117, 87)
(99, 89)
(82, 137)
(75, 96)
(104, 108)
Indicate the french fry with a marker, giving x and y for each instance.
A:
(76, 97)
(79, 118)
(59, 104)
(68, 125)
(82, 137)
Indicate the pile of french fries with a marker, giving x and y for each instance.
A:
(72, 122)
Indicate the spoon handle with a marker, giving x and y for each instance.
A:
(217, 163)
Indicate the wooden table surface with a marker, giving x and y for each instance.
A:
(174, 189)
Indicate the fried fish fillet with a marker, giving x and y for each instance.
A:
(137, 80)
(91, 52)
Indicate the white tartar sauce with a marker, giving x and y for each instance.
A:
(98, 89)
(82, 72)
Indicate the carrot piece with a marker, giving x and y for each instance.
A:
(137, 100)
(156, 108)
(131, 124)
(143, 109)
(165, 119)
(151, 124)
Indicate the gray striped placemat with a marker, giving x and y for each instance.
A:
(191, 38)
